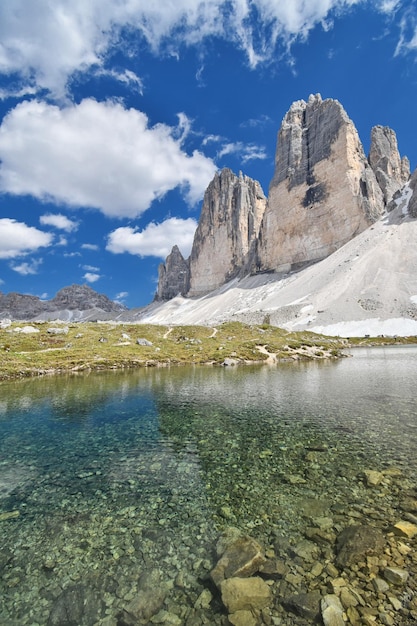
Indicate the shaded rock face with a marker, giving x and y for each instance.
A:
(412, 205)
(231, 214)
(323, 191)
(73, 298)
(173, 276)
(391, 171)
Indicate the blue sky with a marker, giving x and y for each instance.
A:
(115, 115)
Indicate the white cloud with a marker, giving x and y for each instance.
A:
(18, 239)
(246, 152)
(155, 240)
(89, 246)
(91, 268)
(58, 221)
(91, 277)
(121, 297)
(46, 42)
(97, 155)
(388, 6)
(408, 37)
(27, 268)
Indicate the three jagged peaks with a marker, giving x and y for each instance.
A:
(324, 192)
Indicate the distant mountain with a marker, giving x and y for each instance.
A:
(77, 302)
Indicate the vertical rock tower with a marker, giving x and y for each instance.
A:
(173, 276)
(231, 215)
(323, 192)
(391, 171)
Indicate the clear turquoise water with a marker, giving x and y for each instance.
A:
(117, 473)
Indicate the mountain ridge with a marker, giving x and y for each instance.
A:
(78, 302)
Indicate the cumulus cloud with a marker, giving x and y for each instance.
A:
(46, 42)
(89, 246)
(18, 239)
(58, 221)
(27, 268)
(97, 155)
(91, 277)
(155, 240)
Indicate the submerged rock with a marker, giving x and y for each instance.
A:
(242, 558)
(356, 542)
(75, 606)
(306, 605)
(245, 594)
(150, 597)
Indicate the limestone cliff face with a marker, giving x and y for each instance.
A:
(231, 214)
(323, 192)
(412, 204)
(391, 171)
(174, 276)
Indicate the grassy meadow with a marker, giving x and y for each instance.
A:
(59, 347)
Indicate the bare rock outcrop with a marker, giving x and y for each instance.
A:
(174, 276)
(412, 204)
(391, 171)
(323, 191)
(231, 214)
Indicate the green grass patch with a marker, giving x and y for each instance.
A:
(96, 346)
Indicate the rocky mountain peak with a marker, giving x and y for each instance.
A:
(174, 276)
(391, 171)
(67, 302)
(229, 223)
(81, 298)
(323, 191)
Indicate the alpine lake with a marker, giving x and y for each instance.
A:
(115, 488)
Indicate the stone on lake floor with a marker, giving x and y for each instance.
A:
(204, 599)
(396, 575)
(9, 515)
(305, 605)
(151, 594)
(373, 478)
(245, 594)
(243, 618)
(332, 611)
(356, 542)
(77, 604)
(405, 529)
(273, 568)
(242, 558)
